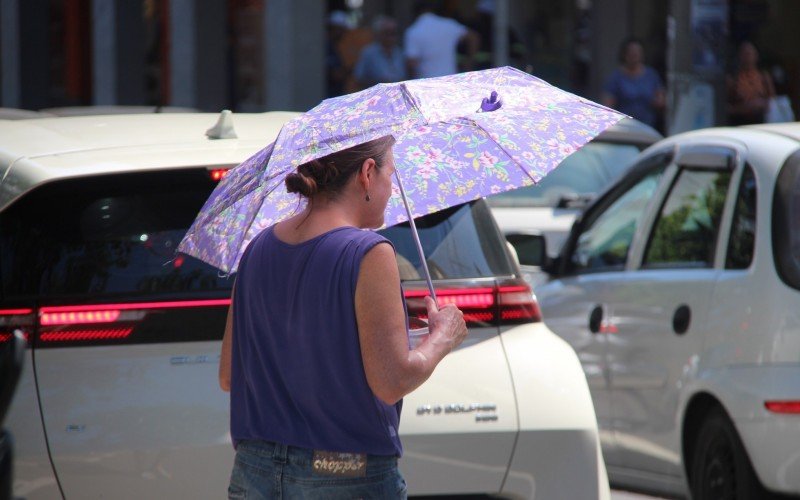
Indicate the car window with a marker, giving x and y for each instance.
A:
(111, 236)
(605, 243)
(461, 242)
(685, 233)
(587, 172)
(743, 229)
(786, 223)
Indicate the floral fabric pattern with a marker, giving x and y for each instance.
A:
(447, 151)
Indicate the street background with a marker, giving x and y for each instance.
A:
(254, 55)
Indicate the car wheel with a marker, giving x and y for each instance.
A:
(720, 468)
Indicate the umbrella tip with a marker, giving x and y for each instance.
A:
(492, 103)
(223, 129)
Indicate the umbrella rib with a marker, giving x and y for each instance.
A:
(489, 135)
(410, 98)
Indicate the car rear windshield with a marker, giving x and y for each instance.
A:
(786, 223)
(113, 237)
(107, 237)
(581, 176)
(461, 242)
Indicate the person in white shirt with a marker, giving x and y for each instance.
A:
(431, 42)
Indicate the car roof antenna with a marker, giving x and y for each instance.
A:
(224, 127)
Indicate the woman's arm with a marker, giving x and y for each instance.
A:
(392, 370)
(225, 354)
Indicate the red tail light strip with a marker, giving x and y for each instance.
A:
(786, 407)
(109, 313)
(79, 317)
(75, 335)
(5, 337)
(15, 312)
(483, 305)
(460, 297)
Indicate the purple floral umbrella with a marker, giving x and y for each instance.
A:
(459, 137)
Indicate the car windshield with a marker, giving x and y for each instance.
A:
(580, 177)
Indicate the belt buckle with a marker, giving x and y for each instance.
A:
(335, 464)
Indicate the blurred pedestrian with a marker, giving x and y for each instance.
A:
(382, 60)
(749, 88)
(635, 88)
(316, 352)
(431, 42)
(336, 71)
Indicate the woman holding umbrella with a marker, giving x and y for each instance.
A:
(315, 353)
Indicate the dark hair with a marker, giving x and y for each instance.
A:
(623, 47)
(330, 173)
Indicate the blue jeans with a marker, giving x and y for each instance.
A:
(265, 470)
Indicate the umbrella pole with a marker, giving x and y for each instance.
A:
(416, 238)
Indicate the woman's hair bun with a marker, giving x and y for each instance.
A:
(330, 173)
(296, 182)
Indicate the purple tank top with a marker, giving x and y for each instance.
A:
(297, 376)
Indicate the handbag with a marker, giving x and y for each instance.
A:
(779, 109)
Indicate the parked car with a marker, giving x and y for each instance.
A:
(550, 207)
(119, 397)
(680, 290)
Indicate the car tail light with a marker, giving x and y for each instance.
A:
(15, 319)
(783, 406)
(104, 321)
(508, 303)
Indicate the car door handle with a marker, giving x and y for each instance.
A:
(596, 319)
(681, 319)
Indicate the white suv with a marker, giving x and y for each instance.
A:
(119, 397)
(680, 291)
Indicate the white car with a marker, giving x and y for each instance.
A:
(119, 397)
(550, 207)
(680, 290)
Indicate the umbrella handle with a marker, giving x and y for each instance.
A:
(415, 235)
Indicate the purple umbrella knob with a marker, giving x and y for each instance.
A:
(493, 103)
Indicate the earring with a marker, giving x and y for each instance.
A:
(367, 197)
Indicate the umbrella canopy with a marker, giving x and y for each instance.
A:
(459, 137)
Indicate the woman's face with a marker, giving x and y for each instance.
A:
(748, 56)
(634, 54)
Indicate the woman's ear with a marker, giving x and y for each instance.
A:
(367, 171)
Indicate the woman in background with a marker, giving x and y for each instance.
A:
(749, 89)
(635, 88)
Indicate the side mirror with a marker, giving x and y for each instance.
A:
(531, 249)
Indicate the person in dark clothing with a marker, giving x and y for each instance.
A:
(635, 88)
(749, 88)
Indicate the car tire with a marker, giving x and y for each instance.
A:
(721, 469)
